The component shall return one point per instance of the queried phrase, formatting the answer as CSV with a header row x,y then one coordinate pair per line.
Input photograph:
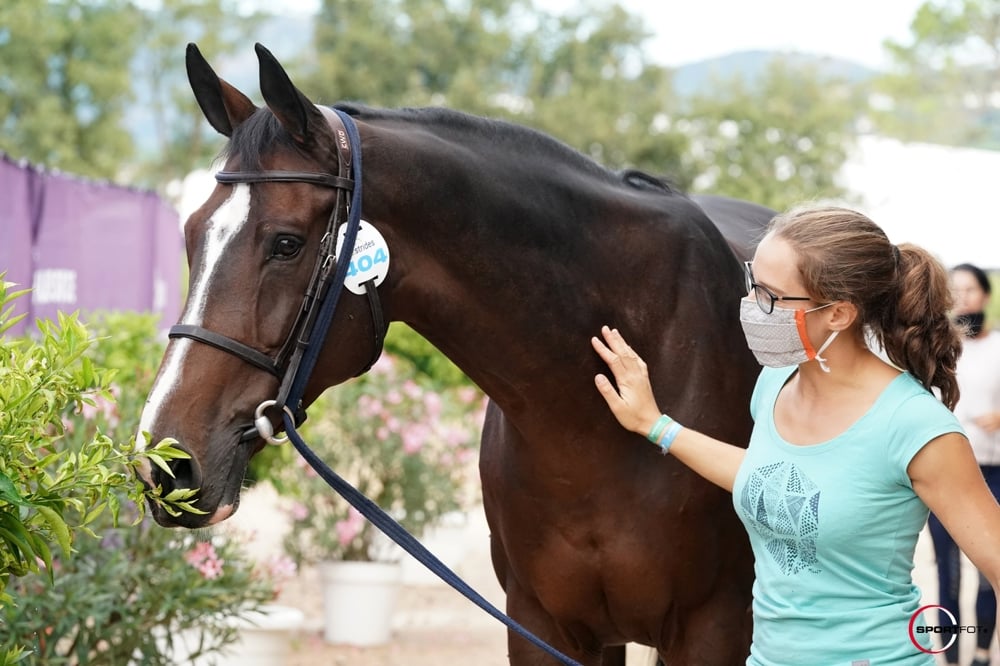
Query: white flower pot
x,y
359,599
448,540
265,639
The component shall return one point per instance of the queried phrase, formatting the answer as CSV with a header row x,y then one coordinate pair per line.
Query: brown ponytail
x,y
901,294
920,336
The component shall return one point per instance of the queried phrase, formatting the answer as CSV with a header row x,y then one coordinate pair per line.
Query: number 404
x,y
366,262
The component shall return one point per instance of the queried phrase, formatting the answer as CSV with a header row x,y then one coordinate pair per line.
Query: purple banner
x,y
168,262
84,245
18,187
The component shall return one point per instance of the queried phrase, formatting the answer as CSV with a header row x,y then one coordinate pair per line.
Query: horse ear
x,y
224,106
293,110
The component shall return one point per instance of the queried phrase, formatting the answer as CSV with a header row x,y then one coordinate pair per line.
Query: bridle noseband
x,y
292,365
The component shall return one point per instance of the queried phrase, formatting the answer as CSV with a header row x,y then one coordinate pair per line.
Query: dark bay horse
x,y
508,250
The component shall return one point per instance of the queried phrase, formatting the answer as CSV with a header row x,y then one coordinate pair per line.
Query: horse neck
x,y
508,265
492,314
479,289
501,315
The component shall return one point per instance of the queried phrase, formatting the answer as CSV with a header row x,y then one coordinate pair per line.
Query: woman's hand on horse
x,y
632,402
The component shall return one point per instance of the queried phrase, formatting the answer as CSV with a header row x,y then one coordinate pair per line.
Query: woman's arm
x,y
990,421
635,408
947,478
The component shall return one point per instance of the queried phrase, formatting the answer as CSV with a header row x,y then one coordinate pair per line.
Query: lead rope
x,y
380,519
369,509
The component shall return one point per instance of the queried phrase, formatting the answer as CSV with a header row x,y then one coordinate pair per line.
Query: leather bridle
x,y
287,366
303,344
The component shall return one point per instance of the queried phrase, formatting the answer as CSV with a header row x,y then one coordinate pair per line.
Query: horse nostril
x,y
186,474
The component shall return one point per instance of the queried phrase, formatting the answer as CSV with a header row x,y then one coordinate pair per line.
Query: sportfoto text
x,y
952,629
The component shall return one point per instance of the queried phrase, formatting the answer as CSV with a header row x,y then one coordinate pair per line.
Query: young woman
x,y
978,411
848,451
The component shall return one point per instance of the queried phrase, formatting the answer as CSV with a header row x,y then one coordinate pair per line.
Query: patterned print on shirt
x,y
782,504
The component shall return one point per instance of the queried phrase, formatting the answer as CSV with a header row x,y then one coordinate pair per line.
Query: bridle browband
x,y
322,179
287,366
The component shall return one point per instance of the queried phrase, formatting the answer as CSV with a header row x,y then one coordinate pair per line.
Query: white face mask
x,y
779,339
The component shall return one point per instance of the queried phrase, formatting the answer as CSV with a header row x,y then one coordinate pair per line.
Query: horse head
x,y
257,249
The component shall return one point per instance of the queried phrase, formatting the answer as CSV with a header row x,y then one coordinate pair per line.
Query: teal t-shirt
x,y
833,528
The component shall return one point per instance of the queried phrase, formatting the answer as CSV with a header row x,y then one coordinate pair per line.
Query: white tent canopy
x,y
940,197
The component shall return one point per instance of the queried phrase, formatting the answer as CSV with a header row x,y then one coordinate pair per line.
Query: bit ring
x,y
264,426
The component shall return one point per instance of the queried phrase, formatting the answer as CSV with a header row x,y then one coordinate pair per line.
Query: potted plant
x,y
262,634
410,446
124,584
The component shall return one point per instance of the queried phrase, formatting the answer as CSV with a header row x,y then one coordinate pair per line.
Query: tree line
x,y
74,69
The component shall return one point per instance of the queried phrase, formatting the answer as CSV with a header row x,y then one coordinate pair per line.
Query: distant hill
x,y
749,65
289,37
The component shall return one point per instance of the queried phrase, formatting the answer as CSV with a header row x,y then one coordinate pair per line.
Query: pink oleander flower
x,y
305,467
412,389
281,567
350,527
433,405
414,437
211,569
204,558
456,436
298,511
201,551
383,366
369,407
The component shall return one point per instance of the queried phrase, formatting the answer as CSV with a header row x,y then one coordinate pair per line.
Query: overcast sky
x,y
697,29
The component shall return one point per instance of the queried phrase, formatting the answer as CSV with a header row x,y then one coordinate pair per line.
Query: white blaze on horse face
x,y
224,225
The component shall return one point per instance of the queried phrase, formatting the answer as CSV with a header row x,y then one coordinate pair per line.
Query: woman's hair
x,y
978,273
902,294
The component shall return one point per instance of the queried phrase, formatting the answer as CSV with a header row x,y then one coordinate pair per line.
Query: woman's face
x,y
968,294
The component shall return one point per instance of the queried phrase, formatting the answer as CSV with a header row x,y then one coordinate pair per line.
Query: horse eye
x,y
286,247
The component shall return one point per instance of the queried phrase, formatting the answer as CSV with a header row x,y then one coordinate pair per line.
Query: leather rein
x,y
325,284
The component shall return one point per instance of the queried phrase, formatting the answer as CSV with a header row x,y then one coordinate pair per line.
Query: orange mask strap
x,y
800,324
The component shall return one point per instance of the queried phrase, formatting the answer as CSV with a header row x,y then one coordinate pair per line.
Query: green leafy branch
x,y
179,500
55,483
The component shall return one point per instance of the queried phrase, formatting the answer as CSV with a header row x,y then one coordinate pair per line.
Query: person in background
x,y
847,451
978,411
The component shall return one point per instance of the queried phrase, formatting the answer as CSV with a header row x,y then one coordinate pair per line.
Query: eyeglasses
x,y
765,298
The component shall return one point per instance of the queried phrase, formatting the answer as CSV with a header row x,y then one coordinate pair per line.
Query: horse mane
x,y
521,137
263,129
260,130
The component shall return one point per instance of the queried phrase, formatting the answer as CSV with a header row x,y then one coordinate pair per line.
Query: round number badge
x,y
370,259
